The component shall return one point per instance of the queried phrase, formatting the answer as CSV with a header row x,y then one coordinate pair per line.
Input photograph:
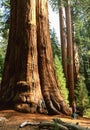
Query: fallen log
x,y
70,126
53,125
56,124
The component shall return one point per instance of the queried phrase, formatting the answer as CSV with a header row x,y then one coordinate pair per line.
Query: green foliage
x,y
81,20
58,66
81,93
60,78
55,43
4,22
87,112
81,24
55,4
56,126
4,30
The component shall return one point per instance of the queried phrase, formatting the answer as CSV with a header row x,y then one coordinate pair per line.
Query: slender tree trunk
x,y
63,39
29,72
69,53
76,63
75,54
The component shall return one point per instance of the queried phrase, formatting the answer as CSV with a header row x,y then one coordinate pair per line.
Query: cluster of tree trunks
x,y
67,47
29,76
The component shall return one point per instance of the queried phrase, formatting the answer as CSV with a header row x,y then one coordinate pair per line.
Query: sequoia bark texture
x,y
29,75
70,72
52,97
20,83
63,39
76,63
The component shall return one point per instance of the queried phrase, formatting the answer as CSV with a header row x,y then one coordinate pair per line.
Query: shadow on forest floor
x,y
11,120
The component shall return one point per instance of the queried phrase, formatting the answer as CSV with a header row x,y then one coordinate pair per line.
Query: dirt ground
x,y
11,120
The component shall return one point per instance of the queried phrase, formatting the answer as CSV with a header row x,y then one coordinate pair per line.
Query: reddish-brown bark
x,y
29,75
63,39
70,72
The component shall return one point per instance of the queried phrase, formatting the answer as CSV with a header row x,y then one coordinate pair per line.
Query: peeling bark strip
x,y
29,75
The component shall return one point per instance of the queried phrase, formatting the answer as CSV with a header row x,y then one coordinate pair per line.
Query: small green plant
x,y
56,126
82,98
2,55
60,78
87,113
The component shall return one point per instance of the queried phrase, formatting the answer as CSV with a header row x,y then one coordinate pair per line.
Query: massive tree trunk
x,y
20,83
29,75
53,99
70,68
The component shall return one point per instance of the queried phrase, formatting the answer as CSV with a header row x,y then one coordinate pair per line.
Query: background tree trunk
x,y
70,79
76,63
29,68
63,39
75,54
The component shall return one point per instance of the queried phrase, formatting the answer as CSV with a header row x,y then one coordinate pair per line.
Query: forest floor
x,y
11,120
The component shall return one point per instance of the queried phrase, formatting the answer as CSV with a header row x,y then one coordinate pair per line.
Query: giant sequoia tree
x,y
29,75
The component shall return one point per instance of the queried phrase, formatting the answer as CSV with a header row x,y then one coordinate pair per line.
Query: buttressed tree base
x,y
29,76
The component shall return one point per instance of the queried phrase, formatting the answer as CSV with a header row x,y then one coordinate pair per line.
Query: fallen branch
x,y
28,123
56,123
70,126
52,124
